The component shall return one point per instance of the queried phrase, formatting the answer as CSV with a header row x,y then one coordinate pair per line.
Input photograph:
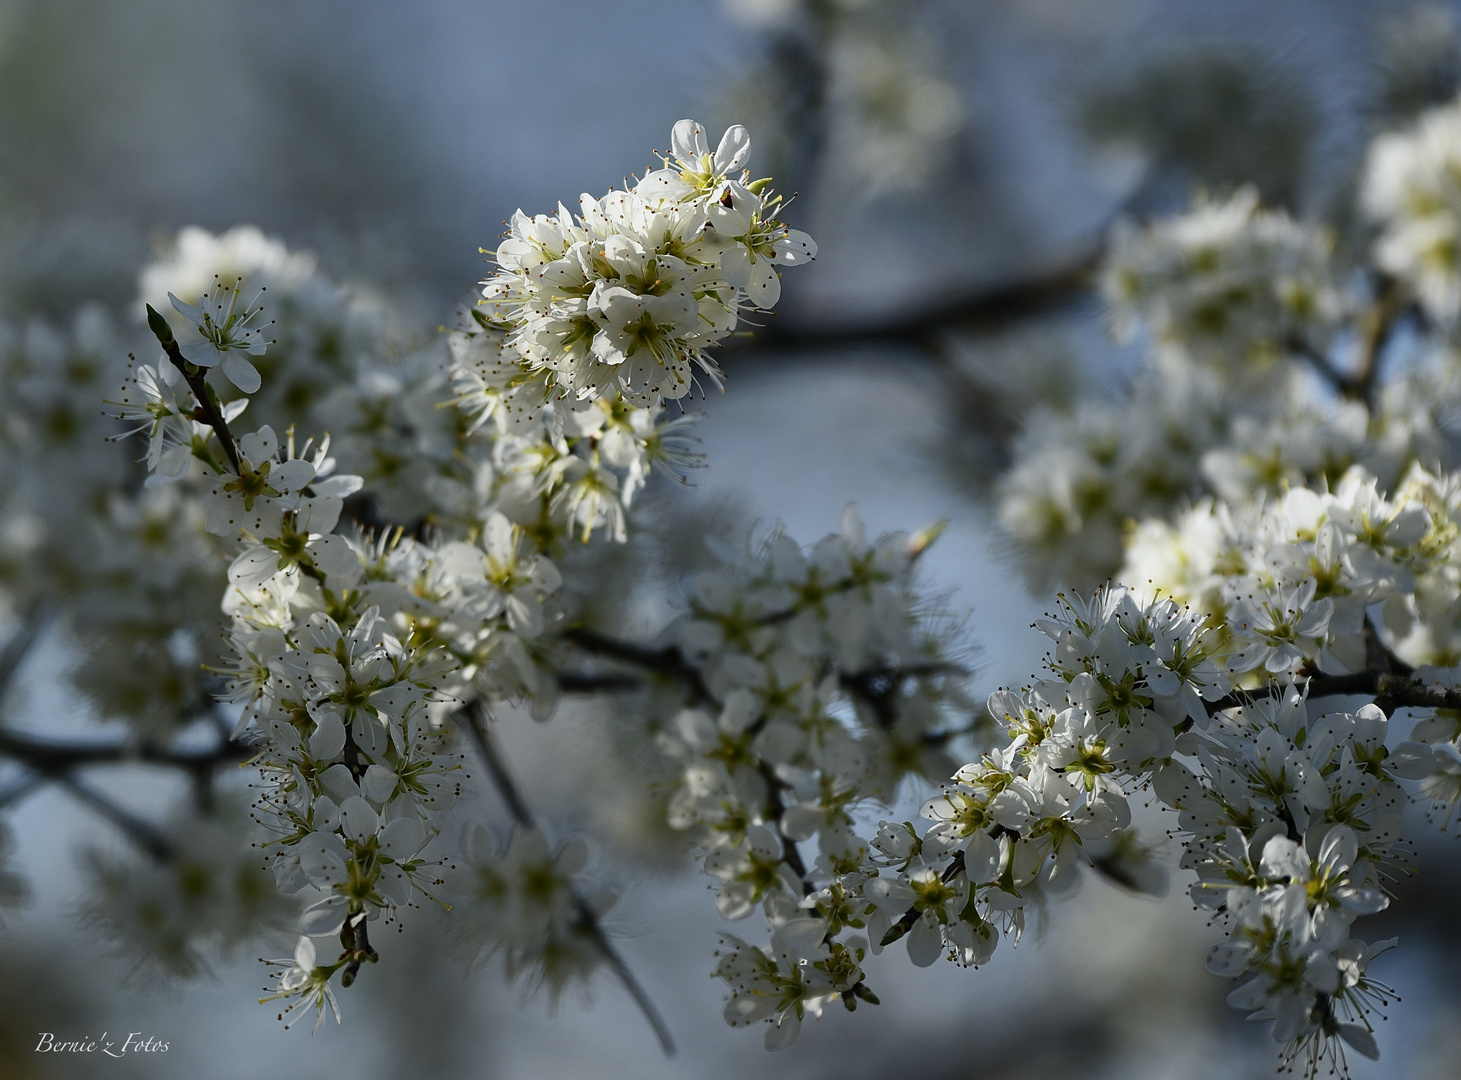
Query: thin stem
x,y
776,807
142,833
208,411
19,644
1376,328
625,976
1400,691
983,307
47,756
31,781
1349,386
478,719
668,661
478,722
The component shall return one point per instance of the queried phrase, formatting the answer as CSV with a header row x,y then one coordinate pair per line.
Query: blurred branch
x,y
775,810
1396,691
803,59
666,661
49,756
142,833
478,722
1376,329
18,646
982,308
22,787
51,761
577,682
879,687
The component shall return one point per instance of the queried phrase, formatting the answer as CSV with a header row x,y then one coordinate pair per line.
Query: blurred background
x,y
958,161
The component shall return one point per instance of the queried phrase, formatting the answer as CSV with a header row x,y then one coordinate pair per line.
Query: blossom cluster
x,y
345,656
1264,372
1224,687
813,683
1412,193
1289,796
803,692
624,299
1290,817
353,658
1228,283
1299,579
210,893
566,469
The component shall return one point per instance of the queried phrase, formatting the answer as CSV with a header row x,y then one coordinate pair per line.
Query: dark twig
x,y
477,721
47,756
1400,691
776,807
142,833
879,686
983,307
1377,325
19,644
667,661
30,781
1348,385
575,682
50,760
208,411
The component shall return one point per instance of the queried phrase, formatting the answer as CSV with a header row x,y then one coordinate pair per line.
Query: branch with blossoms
x,y
1289,543
478,725
1240,308
350,656
801,692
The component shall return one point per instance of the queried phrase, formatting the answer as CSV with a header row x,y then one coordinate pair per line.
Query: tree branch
x,y
1376,327
142,833
477,721
790,853
667,661
22,787
197,379
1402,691
984,307
47,756
577,682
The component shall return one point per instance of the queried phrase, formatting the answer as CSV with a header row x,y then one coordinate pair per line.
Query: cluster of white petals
x,y
566,468
344,656
1280,480
1229,282
1283,518
1412,190
1289,816
524,904
625,298
1250,332
813,683
208,895
351,657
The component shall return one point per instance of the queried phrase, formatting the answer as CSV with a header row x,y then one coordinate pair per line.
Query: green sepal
x,y
159,326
